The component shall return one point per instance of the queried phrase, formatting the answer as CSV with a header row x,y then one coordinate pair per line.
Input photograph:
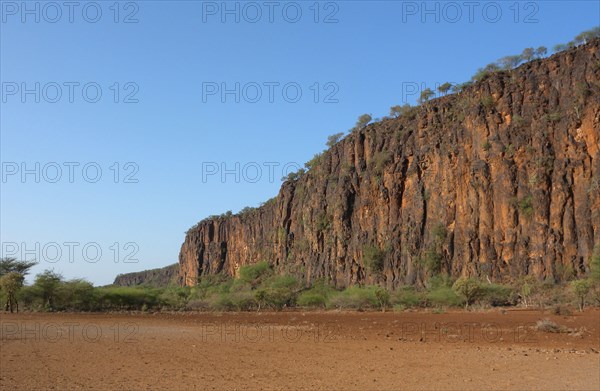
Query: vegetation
x,y
426,94
399,111
373,258
362,122
312,163
548,326
581,288
259,287
468,288
12,277
526,206
334,139
444,88
11,283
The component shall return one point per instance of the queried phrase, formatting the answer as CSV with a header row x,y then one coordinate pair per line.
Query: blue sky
x,y
169,124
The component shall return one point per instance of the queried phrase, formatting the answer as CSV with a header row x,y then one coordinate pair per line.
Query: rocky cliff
x,y
154,277
499,181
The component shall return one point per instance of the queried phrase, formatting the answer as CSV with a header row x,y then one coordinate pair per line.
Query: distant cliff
x,y
499,181
155,277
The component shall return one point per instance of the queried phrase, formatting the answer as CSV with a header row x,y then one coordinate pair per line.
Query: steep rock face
x,y
154,277
499,181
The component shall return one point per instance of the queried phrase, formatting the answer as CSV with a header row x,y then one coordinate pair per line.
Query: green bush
x,y
284,282
373,258
274,298
174,297
406,297
76,295
311,299
253,274
355,297
443,297
487,102
581,288
127,298
526,205
243,300
468,288
432,261
497,295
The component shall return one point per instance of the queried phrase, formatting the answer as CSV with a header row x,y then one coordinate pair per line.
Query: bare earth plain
x,y
492,350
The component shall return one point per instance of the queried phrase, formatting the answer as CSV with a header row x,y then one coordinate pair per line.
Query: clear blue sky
x,y
174,56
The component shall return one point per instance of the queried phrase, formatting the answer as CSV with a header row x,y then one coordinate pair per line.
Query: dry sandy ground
x,y
497,350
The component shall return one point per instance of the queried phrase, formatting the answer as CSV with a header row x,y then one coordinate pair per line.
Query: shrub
x,y
581,288
406,297
373,258
243,300
526,206
316,296
355,297
487,101
432,261
380,159
323,222
443,296
548,326
77,295
595,274
561,310
293,176
253,274
468,288
275,298
383,298
312,163
483,73
553,117
311,299
497,295
174,297
127,298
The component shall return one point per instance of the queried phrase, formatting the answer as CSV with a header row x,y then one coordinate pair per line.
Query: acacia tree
x,y
528,54
48,283
509,62
397,111
334,139
426,94
11,265
362,121
541,51
444,88
12,276
11,283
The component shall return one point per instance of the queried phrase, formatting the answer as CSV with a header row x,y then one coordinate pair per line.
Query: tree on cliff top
x,y
334,139
362,121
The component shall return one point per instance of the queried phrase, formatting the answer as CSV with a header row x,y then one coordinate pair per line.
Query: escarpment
x,y
154,277
499,181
